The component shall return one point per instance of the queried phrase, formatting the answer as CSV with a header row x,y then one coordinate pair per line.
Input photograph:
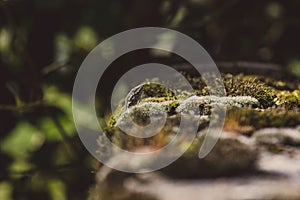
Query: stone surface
x,y
239,167
283,136
205,103
249,161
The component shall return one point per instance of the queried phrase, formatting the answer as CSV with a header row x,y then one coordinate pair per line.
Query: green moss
x,y
251,105
157,99
272,117
171,106
156,90
280,84
239,85
113,118
111,122
140,114
147,90
163,135
249,86
287,99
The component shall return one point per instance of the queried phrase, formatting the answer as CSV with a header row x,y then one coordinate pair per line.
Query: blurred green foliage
x,y
42,44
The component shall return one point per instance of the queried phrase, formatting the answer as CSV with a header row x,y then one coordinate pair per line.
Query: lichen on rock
x,y
240,85
203,104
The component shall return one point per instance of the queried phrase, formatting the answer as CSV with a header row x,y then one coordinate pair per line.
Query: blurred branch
x,y
23,106
53,67
173,10
57,168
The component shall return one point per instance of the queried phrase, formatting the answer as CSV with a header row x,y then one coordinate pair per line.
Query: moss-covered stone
x,y
145,93
241,86
142,111
279,84
163,134
113,117
261,118
203,105
146,90
287,99
277,108
252,103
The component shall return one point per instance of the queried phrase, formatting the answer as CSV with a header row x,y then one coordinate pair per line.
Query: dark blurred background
x,y
43,42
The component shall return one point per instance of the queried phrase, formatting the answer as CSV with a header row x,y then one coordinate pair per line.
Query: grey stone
x,y
283,136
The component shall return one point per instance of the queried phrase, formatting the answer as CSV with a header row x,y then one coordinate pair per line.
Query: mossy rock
x,y
203,104
242,91
288,99
145,92
262,118
148,90
240,86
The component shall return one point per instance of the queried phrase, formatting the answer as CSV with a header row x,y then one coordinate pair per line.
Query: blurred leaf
x,y
5,191
181,13
55,98
294,67
22,141
57,189
274,10
86,38
31,188
12,87
62,101
63,48
5,40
